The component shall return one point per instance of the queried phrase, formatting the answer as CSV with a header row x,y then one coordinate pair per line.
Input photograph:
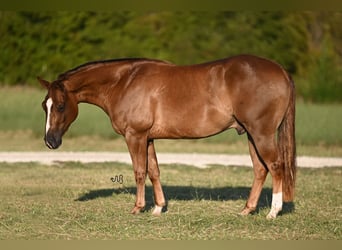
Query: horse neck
x,y
89,91
95,86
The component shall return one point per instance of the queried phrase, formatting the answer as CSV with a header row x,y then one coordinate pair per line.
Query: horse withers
x,y
151,99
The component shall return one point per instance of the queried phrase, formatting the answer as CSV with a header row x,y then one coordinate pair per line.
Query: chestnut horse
x,y
152,99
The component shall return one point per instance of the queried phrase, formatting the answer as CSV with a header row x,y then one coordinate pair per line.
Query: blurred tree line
x,y
307,44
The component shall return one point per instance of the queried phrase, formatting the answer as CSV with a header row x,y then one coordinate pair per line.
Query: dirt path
x,y
198,160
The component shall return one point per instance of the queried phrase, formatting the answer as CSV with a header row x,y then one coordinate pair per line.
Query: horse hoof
x,y
271,216
247,210
136,210
273,213
157,210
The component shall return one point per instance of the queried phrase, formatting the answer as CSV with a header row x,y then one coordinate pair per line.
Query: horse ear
x,y
43,82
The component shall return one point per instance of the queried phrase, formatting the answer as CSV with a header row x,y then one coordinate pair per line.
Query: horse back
x,y
201,100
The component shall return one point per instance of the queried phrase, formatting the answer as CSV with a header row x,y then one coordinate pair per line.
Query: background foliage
x,y
308,44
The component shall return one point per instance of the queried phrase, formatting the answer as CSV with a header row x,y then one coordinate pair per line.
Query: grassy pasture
x,y
22,126
79,201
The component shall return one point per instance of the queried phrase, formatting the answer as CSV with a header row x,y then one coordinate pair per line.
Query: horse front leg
x,y
137,146
154,175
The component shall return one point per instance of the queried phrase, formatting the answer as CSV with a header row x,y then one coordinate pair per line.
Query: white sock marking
x,y
277,205
277,200
48,108
157,210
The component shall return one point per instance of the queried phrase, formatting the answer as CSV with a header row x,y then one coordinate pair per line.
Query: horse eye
x,y
60,107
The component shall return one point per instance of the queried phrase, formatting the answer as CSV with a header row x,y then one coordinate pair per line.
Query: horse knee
x,y
153,174
140,176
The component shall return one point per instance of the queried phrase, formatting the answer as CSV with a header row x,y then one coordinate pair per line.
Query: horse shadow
x,y
187,193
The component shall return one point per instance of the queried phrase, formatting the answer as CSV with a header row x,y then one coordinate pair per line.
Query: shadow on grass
x,y
187,193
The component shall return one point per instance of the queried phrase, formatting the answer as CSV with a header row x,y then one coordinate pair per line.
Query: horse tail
x,y
287,146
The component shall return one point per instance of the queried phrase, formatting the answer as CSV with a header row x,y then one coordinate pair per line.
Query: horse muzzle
x,y
53,140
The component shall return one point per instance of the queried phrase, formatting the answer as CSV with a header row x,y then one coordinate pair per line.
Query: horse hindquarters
x,y
275,153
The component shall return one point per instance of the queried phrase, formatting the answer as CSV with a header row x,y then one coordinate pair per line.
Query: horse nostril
x,y
52,141
48,145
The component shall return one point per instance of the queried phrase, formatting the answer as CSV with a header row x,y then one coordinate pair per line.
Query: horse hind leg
x,y
260,173
267,150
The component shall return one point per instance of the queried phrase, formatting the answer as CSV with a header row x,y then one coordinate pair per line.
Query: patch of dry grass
x,y
77,201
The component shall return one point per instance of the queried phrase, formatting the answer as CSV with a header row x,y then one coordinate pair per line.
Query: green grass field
x,y
79,201
22,128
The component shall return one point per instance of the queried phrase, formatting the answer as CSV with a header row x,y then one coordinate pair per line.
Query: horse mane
x,y
92,64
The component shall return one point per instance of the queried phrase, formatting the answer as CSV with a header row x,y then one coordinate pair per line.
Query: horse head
x,y
61,110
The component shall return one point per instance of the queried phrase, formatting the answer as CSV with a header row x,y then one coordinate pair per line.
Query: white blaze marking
x,y
48,108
